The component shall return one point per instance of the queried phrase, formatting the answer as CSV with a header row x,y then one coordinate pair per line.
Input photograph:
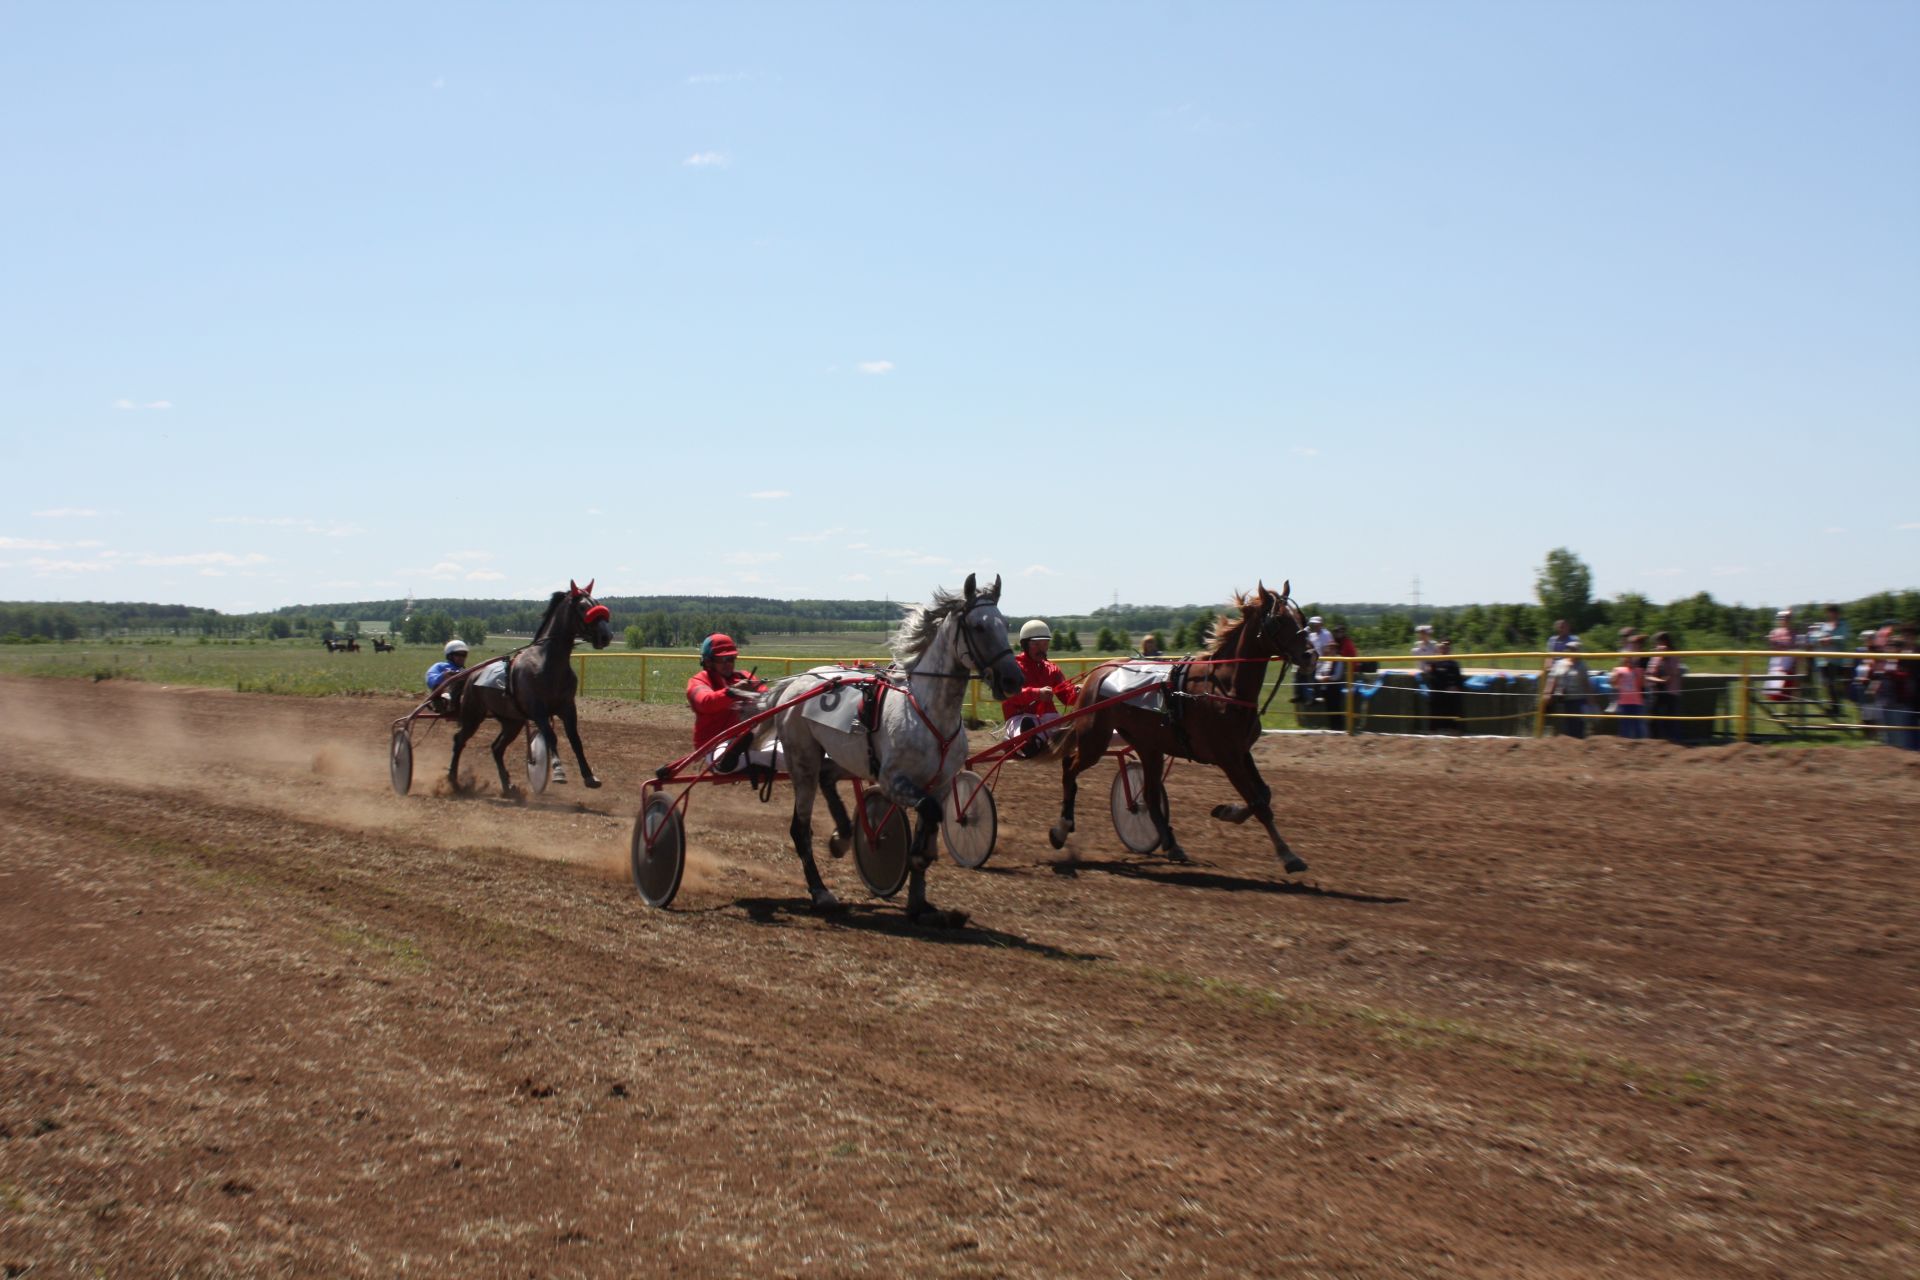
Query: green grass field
x,y
304,667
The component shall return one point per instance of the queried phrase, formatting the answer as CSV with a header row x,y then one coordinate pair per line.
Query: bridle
x,y
1279,610
978,667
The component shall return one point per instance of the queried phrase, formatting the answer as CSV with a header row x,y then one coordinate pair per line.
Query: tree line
x,y
1562,589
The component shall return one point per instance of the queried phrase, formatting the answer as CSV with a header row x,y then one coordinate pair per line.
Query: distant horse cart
x,y
346,644
382,645
896,734
523,690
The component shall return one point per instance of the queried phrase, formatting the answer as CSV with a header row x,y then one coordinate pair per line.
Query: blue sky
x,y
327,302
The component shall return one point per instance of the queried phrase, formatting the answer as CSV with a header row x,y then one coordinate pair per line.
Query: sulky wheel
x,y
659,852
1132,822
539,763
882,861
400,762
969,820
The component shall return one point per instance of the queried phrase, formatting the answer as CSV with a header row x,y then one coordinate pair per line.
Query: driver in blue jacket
x,y
453,658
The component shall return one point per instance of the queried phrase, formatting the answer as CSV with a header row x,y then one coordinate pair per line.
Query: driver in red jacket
x,y
719,696
1033,705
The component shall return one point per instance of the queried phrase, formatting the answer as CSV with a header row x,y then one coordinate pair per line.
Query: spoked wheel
x,y
659,852
1134,823
400,762
539,763
969,820
883,860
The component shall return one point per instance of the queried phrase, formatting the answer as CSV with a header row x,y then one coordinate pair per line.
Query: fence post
x,y
1540,708
646,659
1744,719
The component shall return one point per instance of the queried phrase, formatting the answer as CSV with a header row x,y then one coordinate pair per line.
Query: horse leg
x,y
460,737
1246,779
919,854
1154,770
842,838
509,731
570,720
806,774
1089,744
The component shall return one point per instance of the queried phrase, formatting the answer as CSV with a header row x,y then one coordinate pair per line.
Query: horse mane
x,y
553,609
920,623
1226,628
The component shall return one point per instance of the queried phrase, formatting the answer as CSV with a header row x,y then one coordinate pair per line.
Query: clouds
x,y
45,568
67,513
28,544
821,535
137,407
232,559
320,528
875,368
452,566
708,160
770,495
1039,571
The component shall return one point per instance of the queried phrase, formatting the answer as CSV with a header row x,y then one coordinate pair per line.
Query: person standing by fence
x,y
1836,673
1567,690
1665,674
1444,686
1629,696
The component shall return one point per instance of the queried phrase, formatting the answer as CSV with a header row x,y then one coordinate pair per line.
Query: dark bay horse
x,y
540,684
1211,716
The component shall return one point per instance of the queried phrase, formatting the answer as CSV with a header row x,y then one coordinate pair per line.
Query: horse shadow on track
x,y
1191,877
869,918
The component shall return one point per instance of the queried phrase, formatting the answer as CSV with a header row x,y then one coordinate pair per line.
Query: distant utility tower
x,y
408,615
1416,594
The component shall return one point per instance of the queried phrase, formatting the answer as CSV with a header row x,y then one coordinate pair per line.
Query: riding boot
x,y
730,758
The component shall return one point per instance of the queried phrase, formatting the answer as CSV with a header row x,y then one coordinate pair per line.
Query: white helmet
x,y
1034,629
455,645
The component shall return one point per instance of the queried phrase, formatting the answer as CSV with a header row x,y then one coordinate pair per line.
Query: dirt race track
x,y
1540,1009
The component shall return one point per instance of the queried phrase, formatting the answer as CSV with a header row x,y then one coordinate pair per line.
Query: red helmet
x,y
716,646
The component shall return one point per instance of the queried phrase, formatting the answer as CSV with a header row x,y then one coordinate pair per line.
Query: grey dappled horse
x,y
918,748
540,685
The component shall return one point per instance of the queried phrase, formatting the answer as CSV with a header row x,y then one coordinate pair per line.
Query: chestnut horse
x,y
1211,715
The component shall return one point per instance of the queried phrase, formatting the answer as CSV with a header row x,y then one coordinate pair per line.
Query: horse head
x,y
983,639
1279,627
591,618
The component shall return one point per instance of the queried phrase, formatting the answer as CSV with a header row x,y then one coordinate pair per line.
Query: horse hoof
x,y
1177,854
934,918
837,845
1056,837
593,784
1234,813
1294,864
824,903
